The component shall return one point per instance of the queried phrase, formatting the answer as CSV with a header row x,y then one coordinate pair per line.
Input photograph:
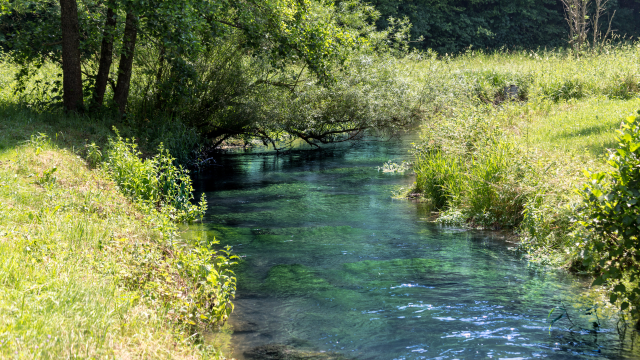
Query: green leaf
x,y
624,306
620,288
598,281
613,298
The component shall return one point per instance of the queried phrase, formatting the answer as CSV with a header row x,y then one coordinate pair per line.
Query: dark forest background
x,y
449,26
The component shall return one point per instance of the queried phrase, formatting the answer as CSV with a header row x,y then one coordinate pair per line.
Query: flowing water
x,y
331,263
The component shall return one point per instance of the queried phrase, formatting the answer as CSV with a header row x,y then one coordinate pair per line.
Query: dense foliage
x,y
235,69
493,158
155,183
453,25
611,214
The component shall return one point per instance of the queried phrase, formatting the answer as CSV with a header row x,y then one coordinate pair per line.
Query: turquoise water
x,y
331,263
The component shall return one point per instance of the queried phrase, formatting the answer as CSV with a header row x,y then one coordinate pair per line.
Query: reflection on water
x,y
331,263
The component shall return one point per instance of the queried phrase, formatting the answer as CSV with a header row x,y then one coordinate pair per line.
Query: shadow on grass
x,y
586,131
602,148
72,131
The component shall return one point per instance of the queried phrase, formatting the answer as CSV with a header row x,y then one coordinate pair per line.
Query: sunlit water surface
x,y
331,263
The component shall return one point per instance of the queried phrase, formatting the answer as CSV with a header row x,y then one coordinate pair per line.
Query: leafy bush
x,y
155,183
164,190
611,216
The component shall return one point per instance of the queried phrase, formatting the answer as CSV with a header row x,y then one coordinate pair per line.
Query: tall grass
x,y
539,75
494,160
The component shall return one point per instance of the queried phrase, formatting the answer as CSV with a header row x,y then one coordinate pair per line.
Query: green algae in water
x,y
331,261
293,279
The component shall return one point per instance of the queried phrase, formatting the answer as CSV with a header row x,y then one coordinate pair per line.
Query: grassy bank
x,y
486,154
497,160
86,271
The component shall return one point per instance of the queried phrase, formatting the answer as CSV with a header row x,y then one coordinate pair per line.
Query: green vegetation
x,y
452,26
506,136
87,272
154,183
269,71
498,160
610,212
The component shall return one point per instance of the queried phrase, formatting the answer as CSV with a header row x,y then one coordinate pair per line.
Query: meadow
x,y
84,269
497,160
91,264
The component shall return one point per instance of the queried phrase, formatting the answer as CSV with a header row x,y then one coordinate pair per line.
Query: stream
x,y
332,264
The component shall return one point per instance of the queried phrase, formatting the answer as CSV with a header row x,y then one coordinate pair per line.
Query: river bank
x,y
513,151
86,271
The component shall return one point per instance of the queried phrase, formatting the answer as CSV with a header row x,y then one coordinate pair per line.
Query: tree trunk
x,y
161,61
125,68
106,58
71,71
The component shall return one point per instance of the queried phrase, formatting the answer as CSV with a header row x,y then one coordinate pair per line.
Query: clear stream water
x,y
331,263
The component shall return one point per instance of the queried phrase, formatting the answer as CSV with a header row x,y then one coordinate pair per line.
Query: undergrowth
x,y
153,184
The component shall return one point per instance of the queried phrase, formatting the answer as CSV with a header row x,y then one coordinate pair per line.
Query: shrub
x,y
155,183
611,218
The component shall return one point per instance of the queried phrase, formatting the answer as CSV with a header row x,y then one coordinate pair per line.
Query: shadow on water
x,y
333,267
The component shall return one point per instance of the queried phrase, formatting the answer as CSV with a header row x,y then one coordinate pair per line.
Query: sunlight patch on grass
x,y
581,127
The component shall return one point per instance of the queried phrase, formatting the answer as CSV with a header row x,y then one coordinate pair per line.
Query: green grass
x,y
64,243
587,126
84,272
563,121
489,162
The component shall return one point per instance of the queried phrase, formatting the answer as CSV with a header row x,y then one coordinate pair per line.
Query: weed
x,y
154,183
48,177
394,168
93,155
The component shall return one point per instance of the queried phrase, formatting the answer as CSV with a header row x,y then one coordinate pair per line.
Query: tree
x,y
579,16
71,68
576,15
601,7
121,92
267,69
106,56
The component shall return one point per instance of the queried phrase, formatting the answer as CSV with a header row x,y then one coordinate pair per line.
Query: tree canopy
x,y
453,25
216,65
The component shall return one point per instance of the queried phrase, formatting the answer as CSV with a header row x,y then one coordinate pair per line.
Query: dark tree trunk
x,y
106,58
125,68
161,62
71,71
